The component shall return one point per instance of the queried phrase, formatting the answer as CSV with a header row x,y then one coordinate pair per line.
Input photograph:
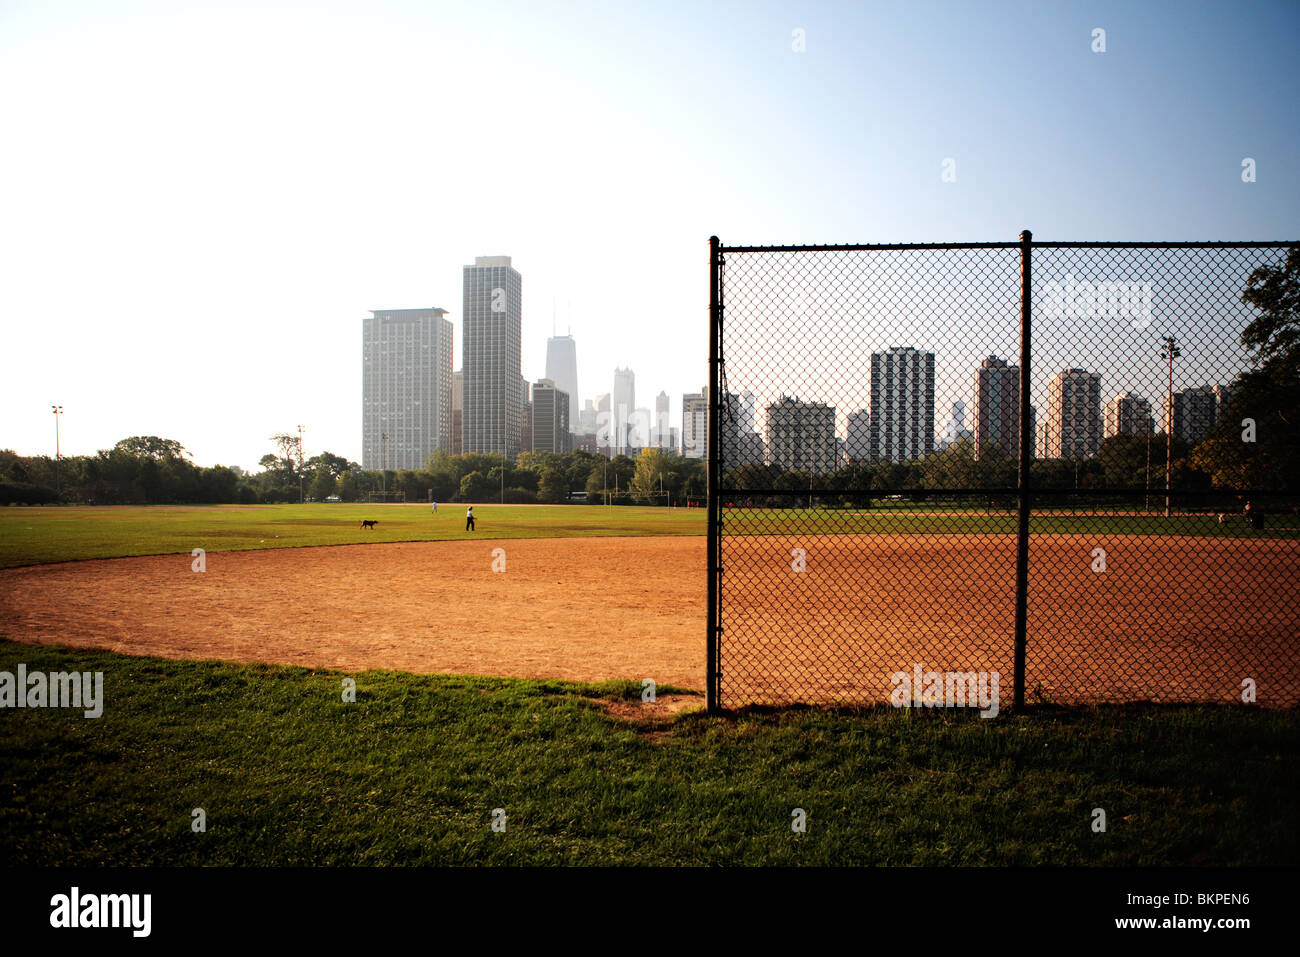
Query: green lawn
x,y
287,773
33,536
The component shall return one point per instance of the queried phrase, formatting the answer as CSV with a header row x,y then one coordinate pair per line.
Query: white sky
x,y
200,202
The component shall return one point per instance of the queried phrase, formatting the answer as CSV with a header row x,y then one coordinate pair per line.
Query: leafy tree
x,y
1274,335
151,446
651,465
477,487
552,486
323,485
347,487
1253,442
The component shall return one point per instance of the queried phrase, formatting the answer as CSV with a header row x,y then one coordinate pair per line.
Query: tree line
x,y
150,470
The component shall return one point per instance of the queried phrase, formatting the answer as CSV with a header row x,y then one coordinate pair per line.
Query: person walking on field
x,y
435,508
469,519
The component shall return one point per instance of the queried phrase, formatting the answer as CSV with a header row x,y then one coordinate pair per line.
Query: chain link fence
x,y
891,520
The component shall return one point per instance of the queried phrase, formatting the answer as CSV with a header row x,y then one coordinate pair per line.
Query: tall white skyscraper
x,y
562,369
623,409
661,437
494,385
695,423
902,404
406,387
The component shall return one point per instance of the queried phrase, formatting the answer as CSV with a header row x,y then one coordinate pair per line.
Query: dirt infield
x,y
1170,618
586,609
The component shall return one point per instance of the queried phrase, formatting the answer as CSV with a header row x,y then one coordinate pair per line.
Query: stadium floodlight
x,y
58,484
1170,352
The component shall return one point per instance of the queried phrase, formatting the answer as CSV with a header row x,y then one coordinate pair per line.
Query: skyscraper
x,y
661,437
902,404
997,406
551,418
622,409
406,387
1194,413
604,425
1128,414
1072,429
586,418
562,369
954,430
801,436
858,444
457,412
494,394
695,422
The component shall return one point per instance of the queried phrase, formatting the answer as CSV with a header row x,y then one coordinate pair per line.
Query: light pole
x,y
1170,352
300,466
1151,427
383,463
58,484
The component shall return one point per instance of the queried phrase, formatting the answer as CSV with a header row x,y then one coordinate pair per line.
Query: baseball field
x,y
596,594
505,669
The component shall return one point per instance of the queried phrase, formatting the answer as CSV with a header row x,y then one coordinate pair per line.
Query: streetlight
x,y
301,462
1170,352
58,411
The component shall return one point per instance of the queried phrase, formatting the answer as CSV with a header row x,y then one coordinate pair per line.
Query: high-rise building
x,y
1194,412
494,394
457,412
902,404
858,444
586,418
406,390
526,422
1128,414
997,406
661,435
604,425
551,418
801,436
638,433
623,407
1072,429
695,423
562,369
954,430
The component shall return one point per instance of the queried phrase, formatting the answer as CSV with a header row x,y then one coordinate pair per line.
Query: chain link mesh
x,y
867,475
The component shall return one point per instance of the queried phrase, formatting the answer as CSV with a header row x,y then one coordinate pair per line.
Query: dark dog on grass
x,y
367,523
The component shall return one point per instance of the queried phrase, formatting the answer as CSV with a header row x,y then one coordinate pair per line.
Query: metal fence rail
x,y
892,518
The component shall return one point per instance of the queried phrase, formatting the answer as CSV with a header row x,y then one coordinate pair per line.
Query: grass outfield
x,y
34,536
289,774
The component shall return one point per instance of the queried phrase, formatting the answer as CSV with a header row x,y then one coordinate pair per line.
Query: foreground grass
x,y
409,774
34,536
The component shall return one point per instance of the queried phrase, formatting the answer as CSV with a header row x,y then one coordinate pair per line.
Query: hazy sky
x,y
200,202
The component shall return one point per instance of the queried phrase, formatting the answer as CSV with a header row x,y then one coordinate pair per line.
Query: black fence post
x,y
1022,474
714,528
